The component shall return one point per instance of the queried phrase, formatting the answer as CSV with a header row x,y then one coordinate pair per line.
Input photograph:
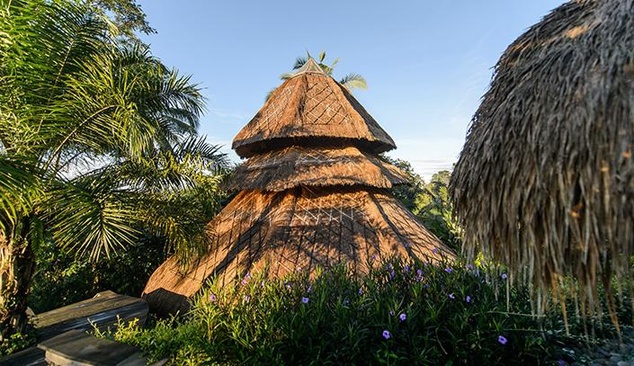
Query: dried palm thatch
x,y
297,229
311,108
545,181
315,167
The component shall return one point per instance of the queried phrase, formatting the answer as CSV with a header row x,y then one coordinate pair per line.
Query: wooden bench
x,y
102,311
78,348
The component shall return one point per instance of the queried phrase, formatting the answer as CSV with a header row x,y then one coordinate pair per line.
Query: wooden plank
x,y
31,356
102,311
78,348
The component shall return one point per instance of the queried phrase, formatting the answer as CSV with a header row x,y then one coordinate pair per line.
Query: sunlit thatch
x,y
545,181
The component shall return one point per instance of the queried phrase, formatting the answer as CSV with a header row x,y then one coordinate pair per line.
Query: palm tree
x,y
96,137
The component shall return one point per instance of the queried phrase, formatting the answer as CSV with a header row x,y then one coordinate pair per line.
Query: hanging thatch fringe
x,y
545,182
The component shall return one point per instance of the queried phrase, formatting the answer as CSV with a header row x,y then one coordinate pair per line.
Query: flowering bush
x,y
400,313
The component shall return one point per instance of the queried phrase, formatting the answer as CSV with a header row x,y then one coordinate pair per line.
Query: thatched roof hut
x,y
312,194
545,181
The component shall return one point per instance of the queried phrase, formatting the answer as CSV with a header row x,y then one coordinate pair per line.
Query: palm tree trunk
x,y
17,264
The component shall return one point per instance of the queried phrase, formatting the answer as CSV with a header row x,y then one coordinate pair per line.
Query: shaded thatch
x,y
545,182
298,229
315,167
311,105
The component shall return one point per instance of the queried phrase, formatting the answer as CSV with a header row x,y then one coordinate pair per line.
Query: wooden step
x,y
101,311
78,348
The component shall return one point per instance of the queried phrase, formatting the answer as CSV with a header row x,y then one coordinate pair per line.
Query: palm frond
x,y
299,62
89,217
353,81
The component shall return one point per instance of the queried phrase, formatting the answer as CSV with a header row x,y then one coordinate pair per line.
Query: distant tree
x,y
411,193
429,202
436,211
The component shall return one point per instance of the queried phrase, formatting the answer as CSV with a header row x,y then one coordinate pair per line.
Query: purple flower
x,y
561,363
452,296
388,266
406,269
391,313
419,272
434,250
212,297
387,334
468,298
309,289
504,276
360,291
248,275
403,316
469,266
449,270
373,257
305,300
392,274
502,340
243,282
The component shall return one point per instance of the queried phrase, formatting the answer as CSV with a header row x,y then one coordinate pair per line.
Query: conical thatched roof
x,y
311,108
545,181
299,229
296,166
313,194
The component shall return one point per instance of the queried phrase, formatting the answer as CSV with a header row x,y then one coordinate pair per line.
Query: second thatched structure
x,y
545,181
313,193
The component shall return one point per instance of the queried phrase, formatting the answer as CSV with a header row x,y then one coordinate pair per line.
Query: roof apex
x,y
311,66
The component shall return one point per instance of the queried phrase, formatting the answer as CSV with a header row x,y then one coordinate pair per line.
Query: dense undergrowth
x,y
400,313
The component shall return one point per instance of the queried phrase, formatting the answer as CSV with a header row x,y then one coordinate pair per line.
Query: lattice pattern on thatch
x,y
300,228
545,181
310,105
315,167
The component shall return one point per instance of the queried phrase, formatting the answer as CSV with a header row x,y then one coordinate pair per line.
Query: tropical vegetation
x,y
97,144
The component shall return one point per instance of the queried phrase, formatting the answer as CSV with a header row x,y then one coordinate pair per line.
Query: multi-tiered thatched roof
x,y
545,181
313,193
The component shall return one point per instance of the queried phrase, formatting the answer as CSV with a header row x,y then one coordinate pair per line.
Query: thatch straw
x,y
315,167
307,106
299,229
545,182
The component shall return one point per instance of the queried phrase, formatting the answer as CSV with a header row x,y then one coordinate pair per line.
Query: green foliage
x,y
16,342
429,202
62,278
97,141
436,211
399,313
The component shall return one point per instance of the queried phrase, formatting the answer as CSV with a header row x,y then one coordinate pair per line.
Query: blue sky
x,y
427,63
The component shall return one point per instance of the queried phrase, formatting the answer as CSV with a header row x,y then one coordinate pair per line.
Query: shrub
x,y
398,313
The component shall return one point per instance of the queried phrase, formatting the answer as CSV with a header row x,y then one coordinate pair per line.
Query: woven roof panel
x,y
310,105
